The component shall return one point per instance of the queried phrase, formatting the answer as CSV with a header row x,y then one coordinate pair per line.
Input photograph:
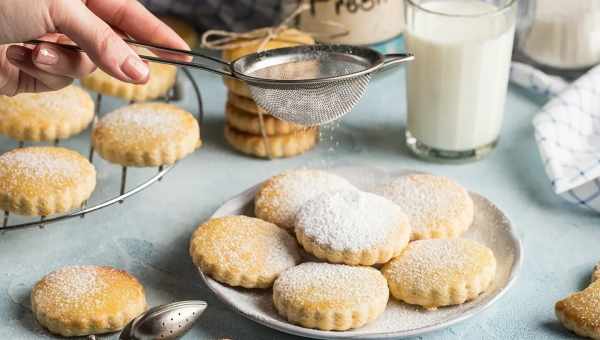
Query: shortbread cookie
x,y
162,78
352,227
596,273
40,181
330,296
250,123
441,272
83,300
183,29
46,116
437,206
237,87
278,146
245,104
243,251
280,198
287,38
146,134
580,312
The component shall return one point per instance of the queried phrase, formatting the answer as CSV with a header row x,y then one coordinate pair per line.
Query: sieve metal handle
x,y
224,68
393,59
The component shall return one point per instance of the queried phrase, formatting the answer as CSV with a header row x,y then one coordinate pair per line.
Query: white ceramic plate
x,y
491,227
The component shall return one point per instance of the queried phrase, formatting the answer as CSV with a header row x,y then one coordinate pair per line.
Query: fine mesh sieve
x,y
308,85
311,85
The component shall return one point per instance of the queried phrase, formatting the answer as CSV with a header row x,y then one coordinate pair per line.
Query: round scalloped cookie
x,y
330,296
162,79
84,300
277,146
40,181
146,134
437,206
352,227
280,198
243,251
441,272
46,116
250,123
287,38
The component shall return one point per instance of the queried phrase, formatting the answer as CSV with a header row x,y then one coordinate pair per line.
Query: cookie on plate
x,y
243,251
277,146
146,134
280,198
250,123
437,206
162,78
46,116
580,312
330,296
441,272
84,300
40,181
352,227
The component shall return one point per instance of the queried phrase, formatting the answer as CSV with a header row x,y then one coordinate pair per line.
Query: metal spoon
x,y
170,321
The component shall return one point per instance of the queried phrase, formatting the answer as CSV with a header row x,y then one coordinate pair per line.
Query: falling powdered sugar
x,y
350,219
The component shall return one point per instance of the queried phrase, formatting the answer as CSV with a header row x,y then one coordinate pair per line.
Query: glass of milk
x,y
457,84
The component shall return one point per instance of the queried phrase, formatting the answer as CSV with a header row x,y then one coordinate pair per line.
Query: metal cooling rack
x,y
172,94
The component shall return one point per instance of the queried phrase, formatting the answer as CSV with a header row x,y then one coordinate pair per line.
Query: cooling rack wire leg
x,y
123,181
5,221
42,218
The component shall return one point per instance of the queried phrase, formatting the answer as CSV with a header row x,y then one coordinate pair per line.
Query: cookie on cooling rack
x,y
280,198
330,296
146,134
441,272
40,181
162,79
437,206
183,29
276,146
352,227
580,312
84,300
46,116
243,251
250,123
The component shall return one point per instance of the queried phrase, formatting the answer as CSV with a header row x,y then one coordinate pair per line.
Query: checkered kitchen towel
x,y
567,131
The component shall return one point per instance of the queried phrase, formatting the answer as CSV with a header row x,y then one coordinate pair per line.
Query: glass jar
x,y
558,36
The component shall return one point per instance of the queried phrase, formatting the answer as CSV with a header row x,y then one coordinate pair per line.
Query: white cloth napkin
x,y
567,131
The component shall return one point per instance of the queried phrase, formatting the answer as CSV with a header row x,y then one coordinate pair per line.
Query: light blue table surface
x,y
149,234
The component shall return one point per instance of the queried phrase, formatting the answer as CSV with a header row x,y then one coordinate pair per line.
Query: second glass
x,y
457,84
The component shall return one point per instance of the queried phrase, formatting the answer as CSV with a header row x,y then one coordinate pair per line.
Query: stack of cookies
x,y
250,129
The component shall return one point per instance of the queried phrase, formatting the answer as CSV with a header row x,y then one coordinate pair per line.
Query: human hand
x,y
86,23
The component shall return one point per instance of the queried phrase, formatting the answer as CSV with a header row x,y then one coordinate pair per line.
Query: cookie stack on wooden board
x,y
249,128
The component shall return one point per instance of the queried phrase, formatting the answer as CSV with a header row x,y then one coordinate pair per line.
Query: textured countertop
x,y
149,234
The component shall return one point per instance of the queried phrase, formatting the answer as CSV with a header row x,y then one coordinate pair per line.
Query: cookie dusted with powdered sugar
x,y
243,251
279,198
352,227
441,272
40,181
330,296
437,206
83,300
